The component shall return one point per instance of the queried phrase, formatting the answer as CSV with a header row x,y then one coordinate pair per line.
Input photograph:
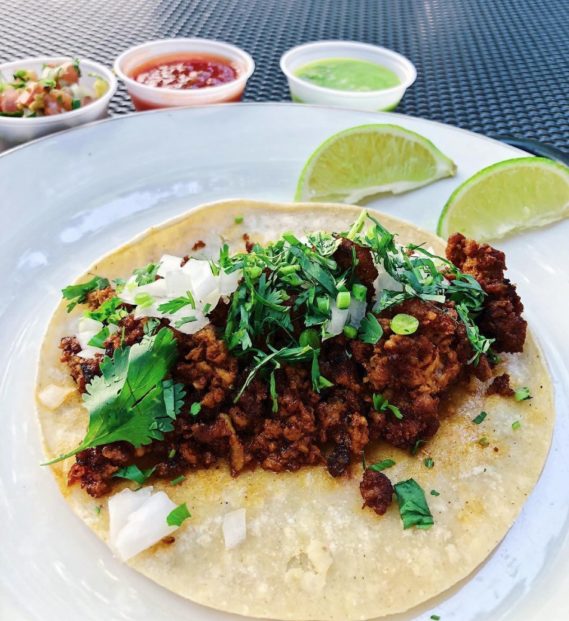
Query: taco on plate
x,y
295,411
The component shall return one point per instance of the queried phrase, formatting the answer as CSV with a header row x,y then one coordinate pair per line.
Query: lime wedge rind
x,y
346,184
507,198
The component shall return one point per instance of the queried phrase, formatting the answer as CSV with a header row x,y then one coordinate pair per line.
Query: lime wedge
x,y
507,197
371,159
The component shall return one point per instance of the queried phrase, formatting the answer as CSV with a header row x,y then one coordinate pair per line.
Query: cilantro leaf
x,y
382,465
110,311
178,480
99,339
177,516
380,404
173,398
127,401
195,408
370,330
413,506
146,275
77,294
173,306
134,473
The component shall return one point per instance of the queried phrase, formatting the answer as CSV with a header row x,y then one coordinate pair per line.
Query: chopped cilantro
x,y
417,446
380,404
75,104
382,465
484,442
98,509
178,480
177,516
195,408
479,418
126,402
78,293
434,492
343,300
516,425
239,220
171,453
99,339
146,275
134,473
370,329
173,306
429,462
110,311
350,332
273,393
184,320
206,308
522,394
413,506
435,618
404,324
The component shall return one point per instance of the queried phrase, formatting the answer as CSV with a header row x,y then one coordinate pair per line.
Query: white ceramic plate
x,y
68,199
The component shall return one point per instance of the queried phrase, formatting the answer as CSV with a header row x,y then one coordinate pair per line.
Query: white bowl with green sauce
x,y
347,74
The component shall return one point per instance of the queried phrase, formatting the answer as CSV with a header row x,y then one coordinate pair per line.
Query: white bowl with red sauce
x,y
184,72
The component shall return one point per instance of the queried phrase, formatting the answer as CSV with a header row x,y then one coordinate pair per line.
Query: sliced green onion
x,y
522,394
289,269
350,332
343,300
75,104
254,271
404,324
516,425
143,299
323,303
239,220
359,292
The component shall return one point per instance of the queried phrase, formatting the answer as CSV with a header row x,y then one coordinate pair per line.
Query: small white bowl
x,y
146,97
15,130
303,91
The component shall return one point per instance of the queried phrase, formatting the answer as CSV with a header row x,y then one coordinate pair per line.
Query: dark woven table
x,y
499,67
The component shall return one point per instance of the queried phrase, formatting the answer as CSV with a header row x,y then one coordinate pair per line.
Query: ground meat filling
x,y
333,427
501,317
376,490
501,386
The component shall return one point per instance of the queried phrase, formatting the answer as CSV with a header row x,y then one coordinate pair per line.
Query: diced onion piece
x,y
53,396
169,263
234,528
148,311
385,282
86,324
121,505
358,310
90,352
145,526
337,320
178,283
228,282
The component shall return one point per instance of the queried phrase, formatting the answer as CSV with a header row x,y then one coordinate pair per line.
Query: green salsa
x,y
347,74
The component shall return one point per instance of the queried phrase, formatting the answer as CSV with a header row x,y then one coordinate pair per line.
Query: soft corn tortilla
x,y
311,551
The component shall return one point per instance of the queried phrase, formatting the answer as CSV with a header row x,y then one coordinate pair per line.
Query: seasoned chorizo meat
x,y
270,380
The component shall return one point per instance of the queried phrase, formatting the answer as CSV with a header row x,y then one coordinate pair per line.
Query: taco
x,y
295,411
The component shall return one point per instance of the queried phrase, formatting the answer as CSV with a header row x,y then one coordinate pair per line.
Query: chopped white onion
x,y
338,319
86,324
169,263
357,310
90,352
228,282
53,396
385,281
140,525
178,283
234,528
121,505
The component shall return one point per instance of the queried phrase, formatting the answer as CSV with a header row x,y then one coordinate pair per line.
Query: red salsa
x,y
189,72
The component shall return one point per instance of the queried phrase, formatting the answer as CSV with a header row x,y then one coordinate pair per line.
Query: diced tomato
x,y
9,101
